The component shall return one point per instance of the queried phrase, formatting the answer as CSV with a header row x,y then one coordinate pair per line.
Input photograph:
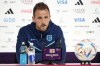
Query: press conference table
x,y
67,64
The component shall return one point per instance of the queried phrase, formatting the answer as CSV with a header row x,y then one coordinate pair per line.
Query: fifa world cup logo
x,y
52,50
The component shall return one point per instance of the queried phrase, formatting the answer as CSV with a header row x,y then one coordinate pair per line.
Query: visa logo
x,y
62,1
79,19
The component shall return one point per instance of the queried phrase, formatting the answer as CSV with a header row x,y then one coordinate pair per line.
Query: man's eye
x,y
46,17
39,17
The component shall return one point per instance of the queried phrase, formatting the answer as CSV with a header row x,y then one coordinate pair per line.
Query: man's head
x,y
41,16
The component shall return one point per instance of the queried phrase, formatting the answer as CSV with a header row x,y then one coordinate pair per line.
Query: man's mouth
x,y
43,25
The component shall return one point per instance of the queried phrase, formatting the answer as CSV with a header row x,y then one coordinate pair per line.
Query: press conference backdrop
x,y
79,19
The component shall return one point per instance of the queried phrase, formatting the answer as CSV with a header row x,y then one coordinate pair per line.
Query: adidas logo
x,y
79,3
9,11
97,20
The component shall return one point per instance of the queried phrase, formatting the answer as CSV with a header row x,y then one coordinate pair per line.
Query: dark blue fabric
x,y
40,40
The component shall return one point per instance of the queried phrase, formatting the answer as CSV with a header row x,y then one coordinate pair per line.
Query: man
x,y
42,32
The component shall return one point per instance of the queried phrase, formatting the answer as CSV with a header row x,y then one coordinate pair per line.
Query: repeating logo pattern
x,y
78,19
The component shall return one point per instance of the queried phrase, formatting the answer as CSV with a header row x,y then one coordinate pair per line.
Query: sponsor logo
x,y
5,2
82,26
8,2
26,20
61,11
79,19
95,2
79,3
97,20
9,40
9,32
52,51
96,11
3,26
9,19
26,11
92,39
9,11
89,32
18,26
33,39
3,47
62,1
79,10
27,1
98,26
12,2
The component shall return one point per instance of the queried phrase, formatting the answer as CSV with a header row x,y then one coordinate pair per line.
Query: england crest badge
x,y
49,38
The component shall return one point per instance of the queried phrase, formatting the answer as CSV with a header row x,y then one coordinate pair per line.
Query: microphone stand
x,y
50,63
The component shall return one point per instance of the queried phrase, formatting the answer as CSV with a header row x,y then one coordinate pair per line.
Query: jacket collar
x,y
39,33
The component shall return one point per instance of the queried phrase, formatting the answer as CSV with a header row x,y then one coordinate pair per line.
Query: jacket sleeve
x,y
63,46
20,38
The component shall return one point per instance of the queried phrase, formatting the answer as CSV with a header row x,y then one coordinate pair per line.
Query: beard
x,y
42,27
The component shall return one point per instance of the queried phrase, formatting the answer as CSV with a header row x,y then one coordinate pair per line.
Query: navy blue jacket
x,y
48,38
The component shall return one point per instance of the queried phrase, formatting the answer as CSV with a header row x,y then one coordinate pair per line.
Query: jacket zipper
x,y
41,35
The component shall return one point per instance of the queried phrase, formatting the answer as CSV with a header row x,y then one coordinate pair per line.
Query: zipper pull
x,y
41,36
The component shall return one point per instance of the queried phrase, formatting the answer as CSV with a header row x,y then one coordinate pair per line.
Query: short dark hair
x,y
40,6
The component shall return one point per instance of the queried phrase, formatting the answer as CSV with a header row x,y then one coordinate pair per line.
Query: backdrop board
x,y
79,19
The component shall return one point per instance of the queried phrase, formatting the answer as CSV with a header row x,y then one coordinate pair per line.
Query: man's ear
x,y
50,16
33,19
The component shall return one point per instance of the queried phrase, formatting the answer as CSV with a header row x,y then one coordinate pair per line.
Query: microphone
x,y
59,43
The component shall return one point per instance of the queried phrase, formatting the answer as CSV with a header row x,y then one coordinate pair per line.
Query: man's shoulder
x,y
55,26
56,29
26,27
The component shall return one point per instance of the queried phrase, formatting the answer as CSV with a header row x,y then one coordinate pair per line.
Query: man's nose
x,y
43,20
